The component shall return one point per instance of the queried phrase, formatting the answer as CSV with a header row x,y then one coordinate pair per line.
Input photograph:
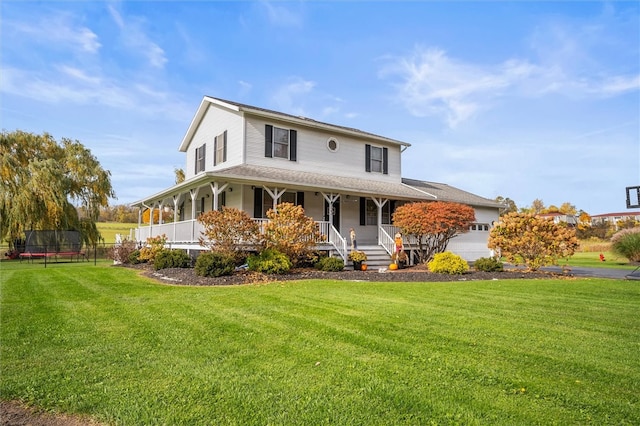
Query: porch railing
x,y
189,231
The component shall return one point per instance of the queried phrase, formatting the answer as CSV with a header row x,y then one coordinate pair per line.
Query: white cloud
x,y
288,97
245,87
618,85
281,16
433,84
79,75
75,86
430,83
136,39
58,30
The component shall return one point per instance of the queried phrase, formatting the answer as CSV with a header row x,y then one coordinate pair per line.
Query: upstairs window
x,y
280,143
376,159
200,158
220,148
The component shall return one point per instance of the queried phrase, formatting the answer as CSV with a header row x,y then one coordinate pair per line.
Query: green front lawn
x,y
125,350
592,260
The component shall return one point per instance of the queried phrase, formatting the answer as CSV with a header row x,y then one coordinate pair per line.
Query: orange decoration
x,y
393,267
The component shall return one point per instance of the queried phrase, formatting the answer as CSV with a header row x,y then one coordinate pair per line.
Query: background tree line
x,y
584,227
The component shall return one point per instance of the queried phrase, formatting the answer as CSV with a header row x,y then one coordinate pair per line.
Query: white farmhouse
x,y
253,159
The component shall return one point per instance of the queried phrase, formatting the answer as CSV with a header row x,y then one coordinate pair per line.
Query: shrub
x,y
330,264
627,243
532,240
122,252
229,231
153,246
290,232
171,259
214,264
134,257
269,261
488,264
448,263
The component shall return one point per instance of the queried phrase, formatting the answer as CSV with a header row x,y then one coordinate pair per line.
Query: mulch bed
x,y
187,276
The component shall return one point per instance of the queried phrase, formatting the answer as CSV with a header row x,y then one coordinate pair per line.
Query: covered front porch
x,y
174,214
336,204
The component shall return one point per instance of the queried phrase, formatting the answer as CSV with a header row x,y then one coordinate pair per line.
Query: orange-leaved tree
x,y
433,224
524,238
291,232
229,231
146,214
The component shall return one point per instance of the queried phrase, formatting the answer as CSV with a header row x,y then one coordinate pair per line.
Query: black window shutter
x,y
197,162
300,199
204,158
224,148
222,200
385,157
367,157
363,211
215,151
268,140
257,203
293,145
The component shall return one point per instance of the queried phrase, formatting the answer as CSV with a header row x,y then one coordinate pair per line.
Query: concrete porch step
x,y
377,257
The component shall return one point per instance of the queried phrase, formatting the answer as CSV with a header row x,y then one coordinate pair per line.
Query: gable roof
x,y
267,113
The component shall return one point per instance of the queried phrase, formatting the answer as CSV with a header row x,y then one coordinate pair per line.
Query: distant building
x,y
612,219
558,217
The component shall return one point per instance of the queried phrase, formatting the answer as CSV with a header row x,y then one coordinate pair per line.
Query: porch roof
x,y
408,189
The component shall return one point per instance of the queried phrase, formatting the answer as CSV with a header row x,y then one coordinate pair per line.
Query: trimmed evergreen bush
x,y
269,261
167,258
627,243
488,264
330,264
214,264
448,263
134,257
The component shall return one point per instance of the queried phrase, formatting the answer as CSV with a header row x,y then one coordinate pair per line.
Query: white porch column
x,y
160,207
194,195
139,221
275,195
176,201
216,189
380,202
330,199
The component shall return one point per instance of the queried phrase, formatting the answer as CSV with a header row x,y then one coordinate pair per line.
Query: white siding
x,y
313,155
215,122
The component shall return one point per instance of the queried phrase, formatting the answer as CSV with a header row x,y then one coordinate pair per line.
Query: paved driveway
x,y
599,272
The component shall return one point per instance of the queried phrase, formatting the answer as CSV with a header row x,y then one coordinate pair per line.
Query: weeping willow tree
x,y
49,185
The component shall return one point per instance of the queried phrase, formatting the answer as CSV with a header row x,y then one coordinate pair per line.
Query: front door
x,y
336,213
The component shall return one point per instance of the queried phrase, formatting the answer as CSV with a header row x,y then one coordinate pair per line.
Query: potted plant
x,y
357,257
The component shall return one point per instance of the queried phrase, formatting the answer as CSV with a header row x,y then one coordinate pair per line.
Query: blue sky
x,y
521,99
